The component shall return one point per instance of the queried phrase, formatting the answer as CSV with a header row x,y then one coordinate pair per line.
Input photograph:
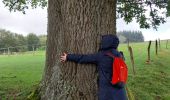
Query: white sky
x,y
36,21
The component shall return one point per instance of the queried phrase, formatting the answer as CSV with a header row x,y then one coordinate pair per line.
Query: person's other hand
x,y
63,57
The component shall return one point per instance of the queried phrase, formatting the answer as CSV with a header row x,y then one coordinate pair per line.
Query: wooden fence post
x,y
167,44
148,61
159,44
128,42
156,47
132,59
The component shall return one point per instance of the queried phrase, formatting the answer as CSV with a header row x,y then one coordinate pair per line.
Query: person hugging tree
x,y
109,44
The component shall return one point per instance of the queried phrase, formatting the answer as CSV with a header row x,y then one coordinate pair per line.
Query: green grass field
x,y
20,74
152,81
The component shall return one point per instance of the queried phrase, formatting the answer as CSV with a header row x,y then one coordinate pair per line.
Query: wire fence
x,y
22,49
155,46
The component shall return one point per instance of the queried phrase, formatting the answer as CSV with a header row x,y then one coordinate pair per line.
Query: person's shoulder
x,y
122,55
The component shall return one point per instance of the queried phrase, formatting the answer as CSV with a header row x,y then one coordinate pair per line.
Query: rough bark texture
x,y
74,26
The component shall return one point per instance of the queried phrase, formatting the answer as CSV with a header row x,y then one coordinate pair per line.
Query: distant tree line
x,y
18,42
131,36
32,41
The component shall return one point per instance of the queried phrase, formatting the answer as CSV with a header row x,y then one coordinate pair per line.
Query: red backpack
x,y
120,70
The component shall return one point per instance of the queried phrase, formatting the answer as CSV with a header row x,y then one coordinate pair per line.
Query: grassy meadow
x,y
20,74
152,81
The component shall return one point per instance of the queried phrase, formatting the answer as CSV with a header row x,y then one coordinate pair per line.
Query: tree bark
x,y
74,26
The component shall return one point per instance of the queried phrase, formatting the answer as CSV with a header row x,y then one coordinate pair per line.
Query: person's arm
x,y
79,58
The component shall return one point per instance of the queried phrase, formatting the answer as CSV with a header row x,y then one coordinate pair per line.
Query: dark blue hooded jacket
x,y
107,91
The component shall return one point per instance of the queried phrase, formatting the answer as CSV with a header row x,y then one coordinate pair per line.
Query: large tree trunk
x,y
74,26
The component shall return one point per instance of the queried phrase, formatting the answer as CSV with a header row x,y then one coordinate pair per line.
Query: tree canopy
x,y
126,9
22,5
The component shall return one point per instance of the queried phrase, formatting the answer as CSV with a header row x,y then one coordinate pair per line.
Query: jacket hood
x,y
109,42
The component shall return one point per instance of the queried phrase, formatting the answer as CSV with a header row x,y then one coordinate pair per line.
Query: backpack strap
x,y
110,54
113,56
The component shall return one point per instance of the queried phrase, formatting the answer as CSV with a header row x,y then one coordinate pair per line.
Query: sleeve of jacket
x,y
78,58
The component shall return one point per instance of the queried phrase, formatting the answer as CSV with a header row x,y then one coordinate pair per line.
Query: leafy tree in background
x,y
131,36
146,12
32,41
17,42
20,40
168,8
2,36
73,26
43,39
9,40
126,9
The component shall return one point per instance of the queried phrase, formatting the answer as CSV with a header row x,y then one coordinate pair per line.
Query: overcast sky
x,y
35,21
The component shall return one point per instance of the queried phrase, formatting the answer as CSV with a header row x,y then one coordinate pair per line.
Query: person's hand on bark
x,y
63,57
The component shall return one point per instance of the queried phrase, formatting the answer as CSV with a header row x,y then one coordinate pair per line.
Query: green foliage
x,y
20,40
19,43
129,9
22,5
168,8
43,39
131,36
9,39
32,41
